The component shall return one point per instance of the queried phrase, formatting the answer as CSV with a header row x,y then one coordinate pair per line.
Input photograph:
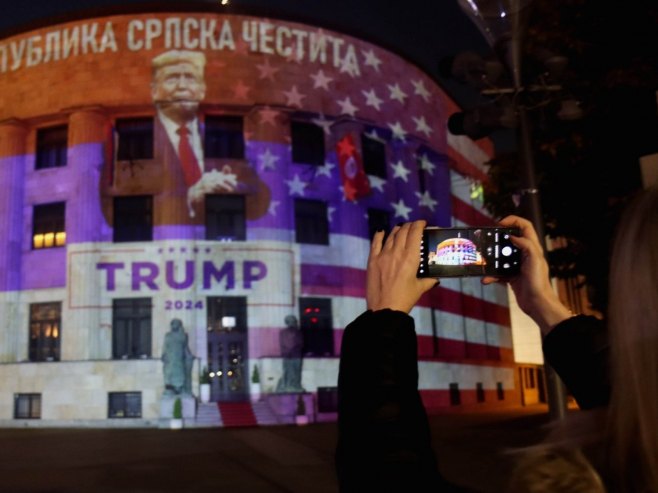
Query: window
x,y
124,405
225,217
479,392
311,222
45,331
133,218
49,225
52,144
499,391
378,220
131,328
422,186
374,156
307,143
455,396
328,399
135,139
224,137
27,406
317,326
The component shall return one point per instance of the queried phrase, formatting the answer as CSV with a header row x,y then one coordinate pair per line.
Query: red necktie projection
x,y
189,163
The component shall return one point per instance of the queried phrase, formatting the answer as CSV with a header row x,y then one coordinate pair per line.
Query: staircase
x,y
207,416
235,414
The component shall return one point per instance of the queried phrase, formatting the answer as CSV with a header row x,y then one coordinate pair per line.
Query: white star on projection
x,y
296,186
266,70
371,59
325,169
324,123
294,97
375,136
330,213
267,160
372,99
272,208
426,164
425,200
422,126
399,171
346,107
320,80
401,210
397,93
421,90
376,182
398,131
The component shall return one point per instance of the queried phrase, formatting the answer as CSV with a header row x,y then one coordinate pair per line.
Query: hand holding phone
x,y
461,252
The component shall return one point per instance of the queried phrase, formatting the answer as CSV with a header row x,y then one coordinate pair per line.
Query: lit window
x,y
45,331
48,225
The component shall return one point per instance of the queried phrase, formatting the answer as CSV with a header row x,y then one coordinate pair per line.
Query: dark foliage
x,y
587,169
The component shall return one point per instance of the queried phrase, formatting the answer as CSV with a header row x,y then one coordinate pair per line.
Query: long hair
x,y
633,322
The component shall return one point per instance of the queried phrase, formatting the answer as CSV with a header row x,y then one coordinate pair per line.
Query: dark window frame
x,y
311,222
319,333
135,138
51,147
378,219
34,405
307,143
373,153
224,137
132,328
226,217
132,221
43,345
119,405
455,394
500,392
49,219
479,392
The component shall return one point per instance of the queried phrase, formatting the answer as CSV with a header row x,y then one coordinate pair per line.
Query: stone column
x,y
83,336
12,176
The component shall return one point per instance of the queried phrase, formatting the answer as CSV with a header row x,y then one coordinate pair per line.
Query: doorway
x,y
227,348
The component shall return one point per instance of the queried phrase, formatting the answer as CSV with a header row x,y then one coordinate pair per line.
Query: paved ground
x,y
253,460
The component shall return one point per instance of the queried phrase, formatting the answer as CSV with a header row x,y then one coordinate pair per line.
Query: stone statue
x,y
178,361
291,342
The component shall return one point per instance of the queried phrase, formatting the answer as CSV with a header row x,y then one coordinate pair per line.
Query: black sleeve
x,y
578,351
384,442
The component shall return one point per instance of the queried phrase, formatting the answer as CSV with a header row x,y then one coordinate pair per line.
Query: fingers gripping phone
x,y
460,252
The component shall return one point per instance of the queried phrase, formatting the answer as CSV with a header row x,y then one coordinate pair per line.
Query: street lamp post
x,y
502,23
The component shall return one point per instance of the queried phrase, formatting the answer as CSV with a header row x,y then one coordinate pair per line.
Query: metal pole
x,y
530,207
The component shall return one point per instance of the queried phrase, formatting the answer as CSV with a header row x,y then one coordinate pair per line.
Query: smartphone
x,y
460,252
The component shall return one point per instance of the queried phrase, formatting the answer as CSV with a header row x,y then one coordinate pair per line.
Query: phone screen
x,y
458,252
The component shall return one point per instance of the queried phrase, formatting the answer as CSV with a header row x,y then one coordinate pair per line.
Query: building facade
x,y
225,171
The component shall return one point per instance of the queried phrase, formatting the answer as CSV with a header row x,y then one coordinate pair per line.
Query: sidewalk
x,y
249,460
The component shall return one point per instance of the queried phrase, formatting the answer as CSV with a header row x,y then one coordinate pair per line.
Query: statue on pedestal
x,y
178,361
291,342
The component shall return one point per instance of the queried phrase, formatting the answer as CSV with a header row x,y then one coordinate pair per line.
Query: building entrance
x,y
227,348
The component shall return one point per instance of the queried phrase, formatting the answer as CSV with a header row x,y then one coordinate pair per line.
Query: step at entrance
x,y
237,414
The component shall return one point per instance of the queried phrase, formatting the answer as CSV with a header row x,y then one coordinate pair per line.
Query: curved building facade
x,y
223,171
